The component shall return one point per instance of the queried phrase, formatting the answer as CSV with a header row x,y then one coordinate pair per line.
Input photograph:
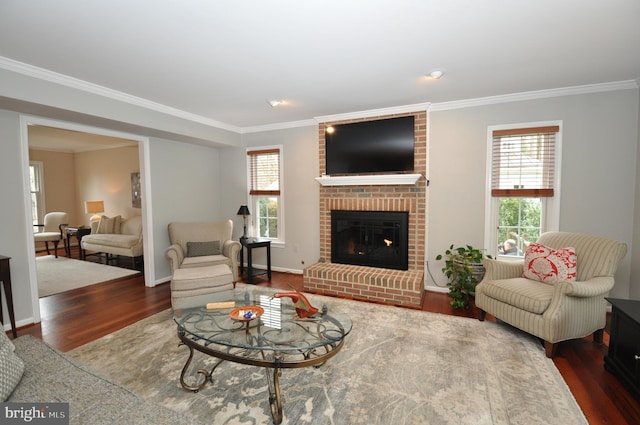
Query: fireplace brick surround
x,y
398,287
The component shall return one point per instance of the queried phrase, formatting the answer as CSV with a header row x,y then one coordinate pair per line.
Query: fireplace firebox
x,y
370,238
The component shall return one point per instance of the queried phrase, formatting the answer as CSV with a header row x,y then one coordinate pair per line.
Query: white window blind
x,y
523,162
264,170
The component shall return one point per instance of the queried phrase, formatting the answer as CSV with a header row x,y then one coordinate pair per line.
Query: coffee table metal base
x,y
273,367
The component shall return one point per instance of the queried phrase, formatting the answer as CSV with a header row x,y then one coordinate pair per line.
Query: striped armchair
x,y
554,312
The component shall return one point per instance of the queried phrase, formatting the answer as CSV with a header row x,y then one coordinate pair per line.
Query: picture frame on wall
x,y
136,199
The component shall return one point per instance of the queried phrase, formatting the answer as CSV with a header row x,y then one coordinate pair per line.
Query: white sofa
x,y
115,236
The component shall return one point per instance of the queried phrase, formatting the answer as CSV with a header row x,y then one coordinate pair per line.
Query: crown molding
x,y
57,78
374,112
65,80
532,95
278,126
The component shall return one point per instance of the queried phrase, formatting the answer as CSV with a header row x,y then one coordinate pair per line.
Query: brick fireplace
x,y
399,287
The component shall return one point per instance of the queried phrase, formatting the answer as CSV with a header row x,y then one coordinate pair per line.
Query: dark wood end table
x,y
250,244
5,276
623,357
79,232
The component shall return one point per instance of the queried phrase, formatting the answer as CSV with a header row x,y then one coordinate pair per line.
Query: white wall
x,y
15,217
598,184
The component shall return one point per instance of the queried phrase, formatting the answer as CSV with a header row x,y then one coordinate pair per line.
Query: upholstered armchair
x,y
202,238
204,262
52,230
554,312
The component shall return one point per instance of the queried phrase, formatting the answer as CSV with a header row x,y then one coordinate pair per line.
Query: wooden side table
x,y
623,358
5,276
250,244
79,232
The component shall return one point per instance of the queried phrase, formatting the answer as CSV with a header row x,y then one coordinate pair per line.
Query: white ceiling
x,y
224,60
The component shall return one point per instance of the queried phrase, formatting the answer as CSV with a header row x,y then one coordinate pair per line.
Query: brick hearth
x,y
398,287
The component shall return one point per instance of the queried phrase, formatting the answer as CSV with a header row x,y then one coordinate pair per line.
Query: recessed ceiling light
x,y
274,103
436,74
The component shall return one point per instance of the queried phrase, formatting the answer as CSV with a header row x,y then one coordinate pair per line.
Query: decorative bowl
x,y
246,313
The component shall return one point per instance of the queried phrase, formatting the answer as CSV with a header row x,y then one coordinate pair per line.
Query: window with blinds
x,y
264,177
523,162
264,171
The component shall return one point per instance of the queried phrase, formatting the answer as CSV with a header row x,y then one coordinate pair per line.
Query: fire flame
x,y
388,242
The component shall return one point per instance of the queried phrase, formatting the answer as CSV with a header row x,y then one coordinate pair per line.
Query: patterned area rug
x,y
397,366
62,274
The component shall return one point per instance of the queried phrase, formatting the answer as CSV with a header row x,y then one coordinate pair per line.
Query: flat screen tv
x,y
380,146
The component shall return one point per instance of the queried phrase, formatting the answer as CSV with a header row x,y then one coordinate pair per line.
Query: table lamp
x,y
94,207
244,212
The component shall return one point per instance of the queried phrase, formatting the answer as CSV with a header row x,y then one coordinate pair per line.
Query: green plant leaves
x,y
463,267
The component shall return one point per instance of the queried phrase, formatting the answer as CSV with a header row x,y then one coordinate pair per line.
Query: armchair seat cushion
x,y
203,261
193,278
524,294
47,236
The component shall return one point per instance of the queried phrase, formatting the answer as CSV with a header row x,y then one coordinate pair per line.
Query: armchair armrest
x,y
175,255
231,249
500,269
579,299
594,287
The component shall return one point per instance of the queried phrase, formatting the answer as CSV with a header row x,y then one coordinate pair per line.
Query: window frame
x,y
252,199
550,216
40,206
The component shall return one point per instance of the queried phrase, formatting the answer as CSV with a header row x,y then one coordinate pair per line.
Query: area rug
x,y
397,366
62,274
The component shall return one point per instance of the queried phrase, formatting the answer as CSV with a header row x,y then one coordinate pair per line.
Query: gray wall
x,y
186,185
598,182
301,193
635,254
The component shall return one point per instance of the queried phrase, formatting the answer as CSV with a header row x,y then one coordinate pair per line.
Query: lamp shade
x,y
244,210
93,207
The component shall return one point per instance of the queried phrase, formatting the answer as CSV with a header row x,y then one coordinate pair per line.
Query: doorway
x,y
87,138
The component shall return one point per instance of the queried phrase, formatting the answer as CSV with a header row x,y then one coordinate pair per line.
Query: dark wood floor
x,y
76,317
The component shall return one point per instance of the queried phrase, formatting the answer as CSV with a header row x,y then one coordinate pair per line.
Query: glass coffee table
x,y
254,328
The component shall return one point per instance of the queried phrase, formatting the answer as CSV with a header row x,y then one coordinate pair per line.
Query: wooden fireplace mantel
x,y
374,179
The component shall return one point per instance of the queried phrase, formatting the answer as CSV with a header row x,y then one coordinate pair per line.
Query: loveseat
x,y
115,236
41,374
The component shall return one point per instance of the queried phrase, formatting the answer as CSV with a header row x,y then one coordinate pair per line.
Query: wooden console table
x,y
5,276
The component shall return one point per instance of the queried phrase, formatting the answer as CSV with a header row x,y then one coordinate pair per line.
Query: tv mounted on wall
x,y
380,146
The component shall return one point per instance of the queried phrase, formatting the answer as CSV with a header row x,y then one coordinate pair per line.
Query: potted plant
x,y
463,267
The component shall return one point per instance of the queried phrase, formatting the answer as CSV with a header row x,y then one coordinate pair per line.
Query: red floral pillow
x,y
550,265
